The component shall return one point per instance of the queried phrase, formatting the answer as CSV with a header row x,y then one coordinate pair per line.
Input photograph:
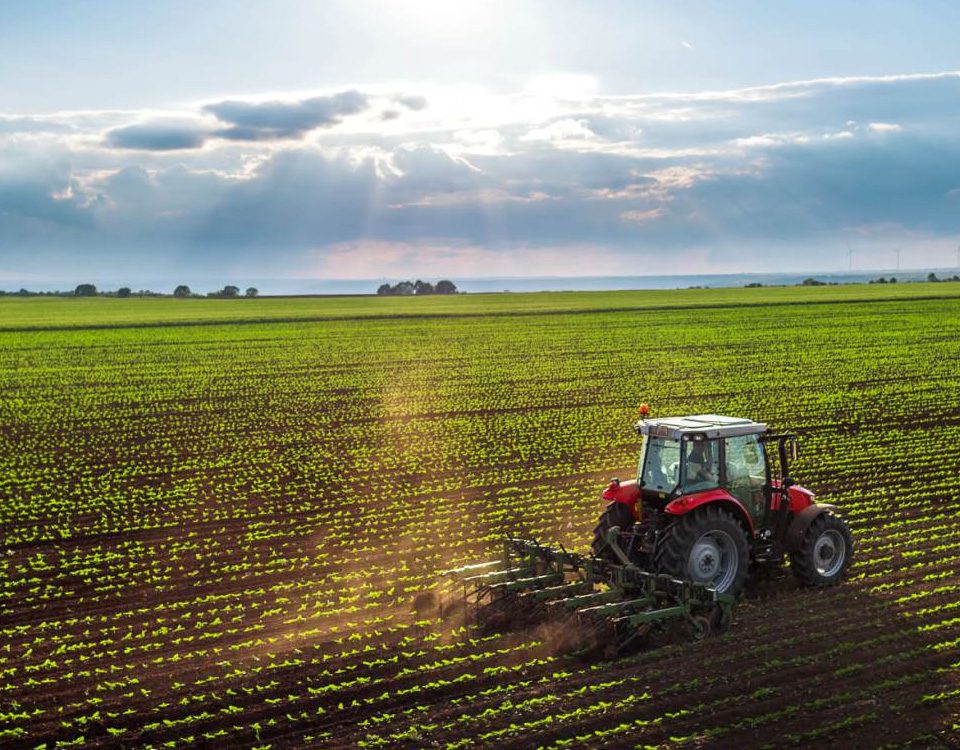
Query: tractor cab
x,y
689,455
712,495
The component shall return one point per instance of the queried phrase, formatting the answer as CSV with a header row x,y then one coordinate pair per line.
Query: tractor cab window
x,y
660,464
701,465
746,471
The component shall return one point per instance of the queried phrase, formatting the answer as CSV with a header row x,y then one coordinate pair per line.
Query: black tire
x,y
825,553
615,514
707,545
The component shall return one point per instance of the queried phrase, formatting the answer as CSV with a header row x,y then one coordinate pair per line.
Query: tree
x,y
252,291
419,287
230,291
123,291
810,281
182,291
85,290
932,277
422,287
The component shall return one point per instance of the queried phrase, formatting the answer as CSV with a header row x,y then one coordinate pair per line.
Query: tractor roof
x,y
708,425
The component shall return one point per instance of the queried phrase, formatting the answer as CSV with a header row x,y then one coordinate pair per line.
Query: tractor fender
x,y
627,493
801,522
686,503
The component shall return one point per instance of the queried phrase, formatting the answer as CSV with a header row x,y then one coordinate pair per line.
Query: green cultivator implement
x,y
613,605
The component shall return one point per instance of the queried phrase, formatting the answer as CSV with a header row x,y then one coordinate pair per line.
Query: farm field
x,y
230,535
23,313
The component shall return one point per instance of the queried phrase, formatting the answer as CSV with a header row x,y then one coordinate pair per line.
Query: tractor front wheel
x,y
825,553
615,514
709,546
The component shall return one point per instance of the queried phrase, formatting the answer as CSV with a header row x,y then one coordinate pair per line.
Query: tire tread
x,y
801,561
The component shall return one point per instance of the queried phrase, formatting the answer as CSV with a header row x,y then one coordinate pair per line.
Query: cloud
x,y
274,120
16,124
413,101
884,127
642,217
244,121
767,177
43,208
561,130
158,135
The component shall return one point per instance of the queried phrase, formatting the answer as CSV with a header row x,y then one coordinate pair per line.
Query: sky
x,y
430,138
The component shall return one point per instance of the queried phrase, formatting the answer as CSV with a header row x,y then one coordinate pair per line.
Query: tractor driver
x,y
701,467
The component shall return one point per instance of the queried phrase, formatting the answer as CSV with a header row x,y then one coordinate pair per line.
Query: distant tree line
x,y
418,287
90,290
230,292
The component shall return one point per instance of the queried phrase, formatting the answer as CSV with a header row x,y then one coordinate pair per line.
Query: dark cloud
x,y
263,121
43,210
428,171
298,198
245,121
412,102
157,136
130,185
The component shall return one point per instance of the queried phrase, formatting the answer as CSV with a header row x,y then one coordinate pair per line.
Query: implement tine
x,y
623,601
474,568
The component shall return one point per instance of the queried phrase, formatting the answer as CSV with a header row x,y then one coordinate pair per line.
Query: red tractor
x,y
713,495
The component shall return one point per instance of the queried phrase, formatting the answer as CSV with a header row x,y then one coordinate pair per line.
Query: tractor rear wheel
x,y
825,553
615,514
707,545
